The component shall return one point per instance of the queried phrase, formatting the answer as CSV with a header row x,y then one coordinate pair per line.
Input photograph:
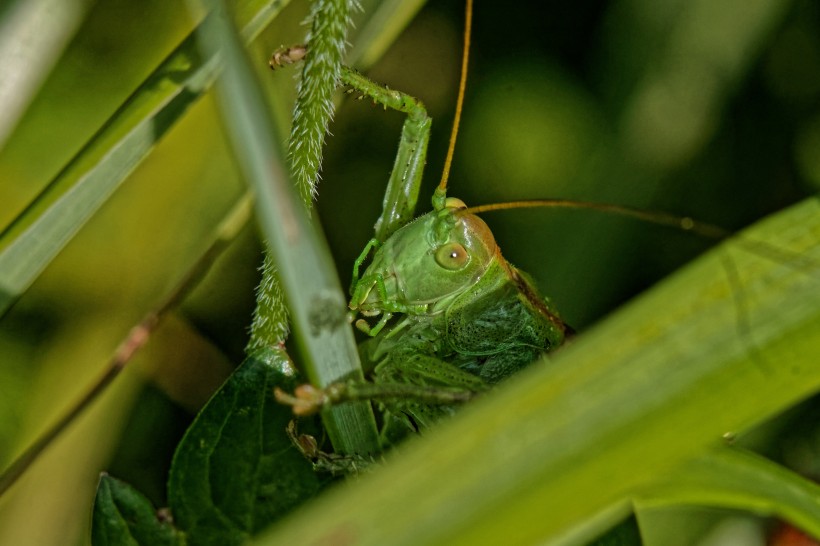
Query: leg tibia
x,y
405,180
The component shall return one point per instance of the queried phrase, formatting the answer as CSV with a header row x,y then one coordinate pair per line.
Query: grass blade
x,y
29,244
314,296
32,36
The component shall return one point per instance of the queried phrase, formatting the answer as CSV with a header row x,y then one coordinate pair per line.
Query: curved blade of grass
x,y
32,36
314,296
314,108
29,244
555,454
733,478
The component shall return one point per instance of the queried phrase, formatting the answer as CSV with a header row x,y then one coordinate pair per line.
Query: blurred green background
x,y
708,108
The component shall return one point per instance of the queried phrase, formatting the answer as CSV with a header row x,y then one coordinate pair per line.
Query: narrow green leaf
x,y
235,470
555,455
314,295
125,517
29,244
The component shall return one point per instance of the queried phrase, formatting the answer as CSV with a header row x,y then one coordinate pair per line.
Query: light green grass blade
x,y
554,456
312,290
29,244
32,36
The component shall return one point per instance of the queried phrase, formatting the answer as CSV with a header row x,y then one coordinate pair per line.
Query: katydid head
x,y
426,263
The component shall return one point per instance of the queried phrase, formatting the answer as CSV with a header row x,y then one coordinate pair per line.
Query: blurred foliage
x,y
709,108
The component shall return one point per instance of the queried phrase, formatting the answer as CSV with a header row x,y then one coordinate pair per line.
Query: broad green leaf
x,y
29,244
125,517
235,471
556,454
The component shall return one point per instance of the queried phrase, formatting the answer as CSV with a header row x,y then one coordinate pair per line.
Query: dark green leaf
x,y
124,516
235,470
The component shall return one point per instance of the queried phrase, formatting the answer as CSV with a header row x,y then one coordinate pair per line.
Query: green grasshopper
x,y
468,318
382,350
454,317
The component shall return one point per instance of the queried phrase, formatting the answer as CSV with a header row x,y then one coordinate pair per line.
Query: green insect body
x,y
468,318
454,316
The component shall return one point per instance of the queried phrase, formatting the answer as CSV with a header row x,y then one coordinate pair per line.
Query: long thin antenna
x,y
683,223
795,260
465,55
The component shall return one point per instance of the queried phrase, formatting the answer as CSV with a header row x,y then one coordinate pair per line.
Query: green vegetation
x,y
703,108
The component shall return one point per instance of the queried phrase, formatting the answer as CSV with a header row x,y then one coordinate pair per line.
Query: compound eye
x,y
452,256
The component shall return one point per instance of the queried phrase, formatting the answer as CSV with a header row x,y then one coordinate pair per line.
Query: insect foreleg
x,y
322,461
405,180
371,244
363,287
386,305
363,326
